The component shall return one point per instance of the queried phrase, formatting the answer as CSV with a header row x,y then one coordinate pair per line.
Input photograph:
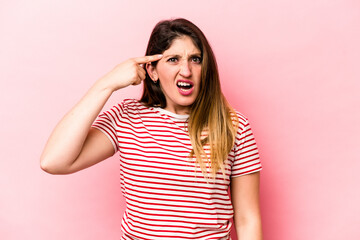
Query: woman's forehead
x,y
183,45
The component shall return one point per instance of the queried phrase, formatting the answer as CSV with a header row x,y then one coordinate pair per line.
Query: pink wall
x,y
292,67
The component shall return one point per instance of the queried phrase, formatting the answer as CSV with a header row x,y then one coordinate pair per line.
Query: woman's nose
x,y
185,69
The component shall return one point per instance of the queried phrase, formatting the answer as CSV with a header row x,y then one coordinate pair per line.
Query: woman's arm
x,y
73,145
245,200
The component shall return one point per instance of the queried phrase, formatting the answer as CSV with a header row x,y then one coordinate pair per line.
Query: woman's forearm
x,y
245,200
66,140
251,230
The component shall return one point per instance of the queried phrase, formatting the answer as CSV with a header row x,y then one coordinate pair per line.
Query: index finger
x,y
147,59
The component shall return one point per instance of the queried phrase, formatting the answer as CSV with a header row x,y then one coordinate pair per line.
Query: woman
x,y
181,146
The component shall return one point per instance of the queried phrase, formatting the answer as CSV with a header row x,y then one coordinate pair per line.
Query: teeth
x,y
183,84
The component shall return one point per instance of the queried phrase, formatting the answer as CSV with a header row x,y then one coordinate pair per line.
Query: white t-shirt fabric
x,y
166,193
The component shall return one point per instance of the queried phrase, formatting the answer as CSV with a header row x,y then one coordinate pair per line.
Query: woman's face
x,y
179,74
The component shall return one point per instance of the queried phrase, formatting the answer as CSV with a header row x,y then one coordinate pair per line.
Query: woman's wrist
x,y
102,87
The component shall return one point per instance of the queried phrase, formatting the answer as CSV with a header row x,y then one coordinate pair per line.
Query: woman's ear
x,y
151,70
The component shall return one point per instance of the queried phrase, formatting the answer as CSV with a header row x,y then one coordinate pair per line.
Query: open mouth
x,y
185,87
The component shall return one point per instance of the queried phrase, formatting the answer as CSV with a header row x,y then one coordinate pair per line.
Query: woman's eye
x,y
172,59
196,59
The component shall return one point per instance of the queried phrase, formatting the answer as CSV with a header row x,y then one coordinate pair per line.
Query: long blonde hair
x,y
210,113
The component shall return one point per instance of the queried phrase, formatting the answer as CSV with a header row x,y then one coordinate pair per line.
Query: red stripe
x,y
225,193
196,181
171,174
166,212
194,184
146,196
211,205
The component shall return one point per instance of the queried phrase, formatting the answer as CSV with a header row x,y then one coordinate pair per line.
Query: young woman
x,y
181,145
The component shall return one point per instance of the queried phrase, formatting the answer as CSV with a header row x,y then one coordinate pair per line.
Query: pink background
x,y
292,67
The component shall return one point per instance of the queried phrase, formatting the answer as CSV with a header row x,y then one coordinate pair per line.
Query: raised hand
x,y
129,72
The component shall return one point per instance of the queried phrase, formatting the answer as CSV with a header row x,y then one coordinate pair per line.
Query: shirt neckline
x,y
181,117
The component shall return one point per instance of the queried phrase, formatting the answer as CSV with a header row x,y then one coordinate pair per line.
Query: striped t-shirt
x,y
167,196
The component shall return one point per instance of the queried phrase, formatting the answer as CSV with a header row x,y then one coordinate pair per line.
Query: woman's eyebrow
x,y
177,55
171,55
196,54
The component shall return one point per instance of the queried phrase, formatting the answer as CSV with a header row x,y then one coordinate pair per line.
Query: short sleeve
x,y
106,122
246,154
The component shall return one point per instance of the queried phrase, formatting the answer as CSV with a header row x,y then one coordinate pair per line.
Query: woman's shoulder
x,y
240,120
130,102
130,105
238,116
